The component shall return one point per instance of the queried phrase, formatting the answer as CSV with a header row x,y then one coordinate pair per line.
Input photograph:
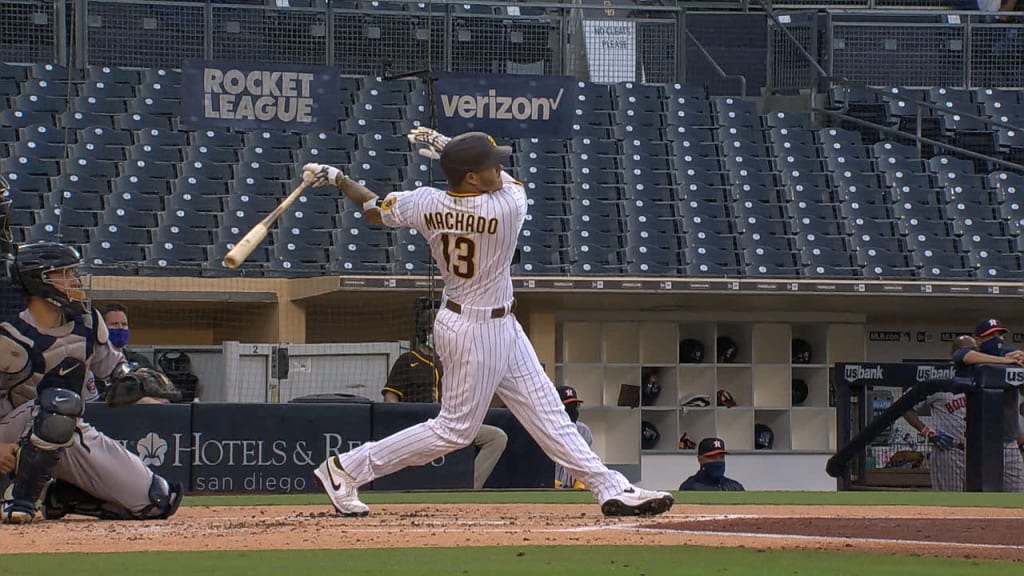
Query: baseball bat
x,y
252,239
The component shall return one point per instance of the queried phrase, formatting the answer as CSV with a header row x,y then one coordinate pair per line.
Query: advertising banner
x,y
270,447
249,96
508,106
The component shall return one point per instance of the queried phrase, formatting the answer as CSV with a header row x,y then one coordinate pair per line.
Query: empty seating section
x,y
656,180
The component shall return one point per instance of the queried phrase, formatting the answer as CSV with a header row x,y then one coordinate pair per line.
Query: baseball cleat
x,y
635,501
17,512
341,488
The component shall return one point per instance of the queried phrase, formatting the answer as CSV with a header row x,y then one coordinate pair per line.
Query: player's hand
x,y
940,439
321,175
428,142
8,457
1016,355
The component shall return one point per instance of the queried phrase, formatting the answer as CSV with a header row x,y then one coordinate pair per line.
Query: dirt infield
x,y
984,533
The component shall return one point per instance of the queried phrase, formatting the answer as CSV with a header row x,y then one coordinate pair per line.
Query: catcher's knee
x,y
57,418
164,499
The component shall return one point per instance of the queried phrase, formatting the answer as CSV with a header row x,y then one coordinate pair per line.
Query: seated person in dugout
x,y
571,401
711,476
416,377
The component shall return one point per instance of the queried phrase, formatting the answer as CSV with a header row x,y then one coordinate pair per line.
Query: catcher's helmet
x,y
801,351
799,391
725,350
691,351
764,438
650,387
49,270
649,435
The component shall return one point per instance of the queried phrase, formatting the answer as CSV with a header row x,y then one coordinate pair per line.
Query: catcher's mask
x,y
49,270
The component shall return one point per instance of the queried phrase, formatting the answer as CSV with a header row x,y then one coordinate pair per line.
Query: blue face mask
x,y
715,470
993,346
119,337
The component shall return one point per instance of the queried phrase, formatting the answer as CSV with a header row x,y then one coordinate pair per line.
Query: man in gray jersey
x,y
948,423
46,355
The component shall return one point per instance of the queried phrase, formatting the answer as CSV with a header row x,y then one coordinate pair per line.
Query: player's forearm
x,y
914,420
975,357
361,196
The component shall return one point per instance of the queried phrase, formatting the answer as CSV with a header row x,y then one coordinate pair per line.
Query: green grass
x,y
987,500
540,561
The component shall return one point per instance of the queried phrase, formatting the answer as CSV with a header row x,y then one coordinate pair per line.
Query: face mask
x,y
574,411
118,337
992,347
715,470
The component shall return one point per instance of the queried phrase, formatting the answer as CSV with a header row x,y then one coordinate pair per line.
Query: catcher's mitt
x,y
138,384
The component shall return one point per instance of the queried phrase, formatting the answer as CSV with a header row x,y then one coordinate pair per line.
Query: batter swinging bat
x,y
252,239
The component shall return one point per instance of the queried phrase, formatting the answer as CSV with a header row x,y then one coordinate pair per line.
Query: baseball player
x,y
46,353
416,377
711,476
571,401
472,231
946,432
990,344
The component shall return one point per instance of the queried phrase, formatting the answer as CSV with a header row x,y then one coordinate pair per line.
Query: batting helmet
x,y
799,391
49,270
649,435
650,387
801,351
764,438
691,351
725,350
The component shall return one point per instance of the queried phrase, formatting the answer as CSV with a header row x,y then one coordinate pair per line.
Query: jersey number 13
x,y
459,255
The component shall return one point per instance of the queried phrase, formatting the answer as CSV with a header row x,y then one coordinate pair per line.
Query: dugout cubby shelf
x,y
598,357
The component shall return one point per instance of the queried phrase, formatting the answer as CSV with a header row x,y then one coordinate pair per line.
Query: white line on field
x,y
833,538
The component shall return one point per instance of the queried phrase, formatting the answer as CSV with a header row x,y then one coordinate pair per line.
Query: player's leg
x,y
54,419
99,477
947,469
1013,468
490,441
531,396
473,359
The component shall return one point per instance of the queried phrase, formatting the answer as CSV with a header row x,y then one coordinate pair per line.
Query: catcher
x,y
46,355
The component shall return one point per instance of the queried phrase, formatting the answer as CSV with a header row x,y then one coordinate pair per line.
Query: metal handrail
x,y
718,69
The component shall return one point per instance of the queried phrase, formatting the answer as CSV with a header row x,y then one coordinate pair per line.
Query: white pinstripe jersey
x,y
472,237
948,412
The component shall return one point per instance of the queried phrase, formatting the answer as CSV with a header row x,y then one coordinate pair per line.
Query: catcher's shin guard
x,y
62,498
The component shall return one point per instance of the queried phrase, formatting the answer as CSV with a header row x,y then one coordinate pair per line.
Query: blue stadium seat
x,y
139,184
114,234
166,138
113,75
19,118
79,120
139,121
98,105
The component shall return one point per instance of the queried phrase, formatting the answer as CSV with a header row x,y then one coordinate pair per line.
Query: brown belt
x,y
495,312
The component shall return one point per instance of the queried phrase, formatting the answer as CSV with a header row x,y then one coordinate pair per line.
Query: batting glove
x,y
939,438
428,142
321,175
